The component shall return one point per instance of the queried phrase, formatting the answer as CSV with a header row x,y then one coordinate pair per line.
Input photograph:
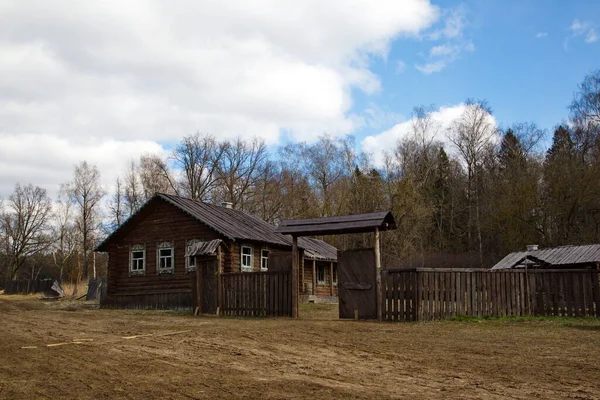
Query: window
x,y
246,258
321,275
190,261
164,263
137,256
264,259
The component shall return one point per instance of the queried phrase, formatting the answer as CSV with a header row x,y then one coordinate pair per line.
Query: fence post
x,y
417,298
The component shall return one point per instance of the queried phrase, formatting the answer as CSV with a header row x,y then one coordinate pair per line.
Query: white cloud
x,y
454,24
432,67
578,27
400,66
582,28
442,55
541,35
387,140
104,80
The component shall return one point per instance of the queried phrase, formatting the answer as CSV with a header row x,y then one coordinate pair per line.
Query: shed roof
x,y
335,225
204,248
234,224
555,256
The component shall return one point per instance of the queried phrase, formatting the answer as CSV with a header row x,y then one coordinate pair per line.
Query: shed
x,y
567,257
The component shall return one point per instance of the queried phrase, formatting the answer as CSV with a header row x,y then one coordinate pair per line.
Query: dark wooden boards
x,y
432,294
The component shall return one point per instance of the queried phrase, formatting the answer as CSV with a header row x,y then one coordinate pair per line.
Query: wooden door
x,y
208,278
357,288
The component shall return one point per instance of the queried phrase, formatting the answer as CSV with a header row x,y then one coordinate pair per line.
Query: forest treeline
x,y
462,202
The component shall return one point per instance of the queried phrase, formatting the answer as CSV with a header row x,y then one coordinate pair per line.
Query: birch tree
x,y
85,192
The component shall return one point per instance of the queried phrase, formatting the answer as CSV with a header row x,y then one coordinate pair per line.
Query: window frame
x,y
188,266
163,246
134,249
264,258
324,280
249,268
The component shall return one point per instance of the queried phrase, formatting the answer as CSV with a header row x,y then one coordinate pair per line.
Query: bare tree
x,y
155,176
133,191
198,156
25,225
472,134
116,206
238,168
66,241
85,192
327,161
585,108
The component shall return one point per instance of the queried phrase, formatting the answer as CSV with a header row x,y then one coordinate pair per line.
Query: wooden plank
x,y
596,291
569,293
576,295
396,294
378,273
294,277
331,278
582,302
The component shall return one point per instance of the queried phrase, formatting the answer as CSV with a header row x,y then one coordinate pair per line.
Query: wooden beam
x,y
314,282
331,278
295,277
198,288
219,283
378,275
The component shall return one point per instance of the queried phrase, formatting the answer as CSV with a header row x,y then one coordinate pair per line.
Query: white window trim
x,y
189,244
162,246
242,267
264,258
137,247
324,281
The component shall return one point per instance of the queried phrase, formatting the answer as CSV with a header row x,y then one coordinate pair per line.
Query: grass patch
x,y
566,321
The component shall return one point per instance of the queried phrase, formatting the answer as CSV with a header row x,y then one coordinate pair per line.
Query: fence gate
x,y
357,288
208,271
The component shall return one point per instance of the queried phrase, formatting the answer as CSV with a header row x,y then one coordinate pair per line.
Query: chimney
x,y
226,204
532,247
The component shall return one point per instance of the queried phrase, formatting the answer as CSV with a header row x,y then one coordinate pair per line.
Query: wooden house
x,y
152,256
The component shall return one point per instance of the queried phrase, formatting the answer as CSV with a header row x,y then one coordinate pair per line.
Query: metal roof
x,y
563,255
236,225
335,225
317,249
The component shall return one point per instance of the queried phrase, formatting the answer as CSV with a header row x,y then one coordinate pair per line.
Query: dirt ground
x,y
179,356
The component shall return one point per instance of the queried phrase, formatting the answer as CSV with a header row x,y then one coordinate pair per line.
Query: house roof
x,y
317,249
233,224
334,225
555,256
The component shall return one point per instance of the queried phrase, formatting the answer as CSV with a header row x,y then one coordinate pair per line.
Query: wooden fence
x,y
26,286
257,294
426,294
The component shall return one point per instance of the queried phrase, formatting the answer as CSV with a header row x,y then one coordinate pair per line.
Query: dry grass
x,y
179,356
68,287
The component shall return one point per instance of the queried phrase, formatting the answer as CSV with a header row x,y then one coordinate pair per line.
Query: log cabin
x,y
152,256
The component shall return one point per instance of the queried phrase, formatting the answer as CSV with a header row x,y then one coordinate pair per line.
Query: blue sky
x,y
109,81
526,62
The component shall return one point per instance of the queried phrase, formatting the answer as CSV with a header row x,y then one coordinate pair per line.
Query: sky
x,y
108,81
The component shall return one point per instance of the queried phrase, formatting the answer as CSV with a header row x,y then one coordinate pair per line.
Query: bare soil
x,y
175,355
